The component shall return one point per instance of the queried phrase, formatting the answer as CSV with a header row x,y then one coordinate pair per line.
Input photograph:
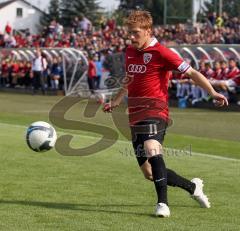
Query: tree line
x,y
64,11
175,11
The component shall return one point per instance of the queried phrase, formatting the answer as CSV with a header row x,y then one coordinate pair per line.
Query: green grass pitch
x,y
106,191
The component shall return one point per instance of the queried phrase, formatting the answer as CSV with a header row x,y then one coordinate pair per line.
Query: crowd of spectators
x,y
83,35
224,77
215,30
109,38
19,74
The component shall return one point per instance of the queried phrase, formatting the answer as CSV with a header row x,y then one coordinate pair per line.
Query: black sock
x,y
178,181
159,177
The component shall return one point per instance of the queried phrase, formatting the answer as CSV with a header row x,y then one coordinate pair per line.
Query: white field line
x,y
127,142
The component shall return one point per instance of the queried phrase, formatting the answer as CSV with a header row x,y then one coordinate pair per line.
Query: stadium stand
x,y
107,44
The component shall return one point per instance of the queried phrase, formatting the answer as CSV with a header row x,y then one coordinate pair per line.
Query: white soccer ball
x,y
41,136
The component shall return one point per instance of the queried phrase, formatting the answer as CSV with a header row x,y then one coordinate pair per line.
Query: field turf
x,y
106,191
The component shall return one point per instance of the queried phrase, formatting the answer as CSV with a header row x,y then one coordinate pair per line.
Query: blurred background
x,y
71,33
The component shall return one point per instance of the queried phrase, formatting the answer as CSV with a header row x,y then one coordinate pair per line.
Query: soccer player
x,y
148,65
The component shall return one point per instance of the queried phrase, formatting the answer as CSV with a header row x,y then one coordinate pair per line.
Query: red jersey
x,y
232,73
217,74
209,73
148,88
15,67
225,72
4,68
8,29
92,70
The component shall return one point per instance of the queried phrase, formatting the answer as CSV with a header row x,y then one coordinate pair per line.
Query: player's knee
x,y
152,148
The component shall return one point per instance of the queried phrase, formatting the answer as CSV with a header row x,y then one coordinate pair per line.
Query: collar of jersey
x,y
152,43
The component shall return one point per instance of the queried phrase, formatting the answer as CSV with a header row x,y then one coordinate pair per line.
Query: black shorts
x,y
150,129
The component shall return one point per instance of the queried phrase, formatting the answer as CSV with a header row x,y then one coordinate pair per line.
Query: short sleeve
x,y
172,61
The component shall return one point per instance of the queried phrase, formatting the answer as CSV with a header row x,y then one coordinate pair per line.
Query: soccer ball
x,y
41,136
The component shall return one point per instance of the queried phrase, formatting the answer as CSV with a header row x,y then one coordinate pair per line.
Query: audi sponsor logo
x,y
134,68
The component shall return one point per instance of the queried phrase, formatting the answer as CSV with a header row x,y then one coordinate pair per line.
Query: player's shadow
x,y
104,208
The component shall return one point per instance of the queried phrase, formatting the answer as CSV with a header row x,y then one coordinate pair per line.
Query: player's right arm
x,y
108,107
115,102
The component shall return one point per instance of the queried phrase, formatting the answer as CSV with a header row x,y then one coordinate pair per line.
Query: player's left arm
x,y
201,80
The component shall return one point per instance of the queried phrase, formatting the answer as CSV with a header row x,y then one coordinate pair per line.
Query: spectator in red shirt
x,y
111,23
231,80
4,73
225,69
92,74
21,73
15,73
208,71
27,78
217,75
8,28
233,69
